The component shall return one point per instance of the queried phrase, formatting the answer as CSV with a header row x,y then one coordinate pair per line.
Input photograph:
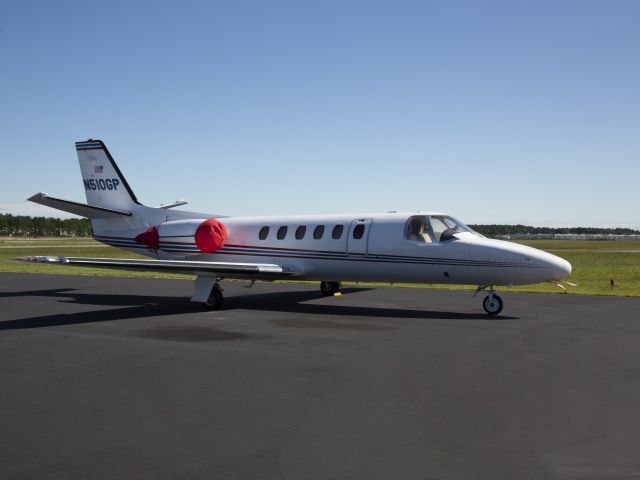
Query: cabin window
x,y
264,233
358,231
282,232
337,232
318,232
300,231
419,230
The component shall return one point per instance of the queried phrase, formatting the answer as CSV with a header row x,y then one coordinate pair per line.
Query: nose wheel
x,y
492,304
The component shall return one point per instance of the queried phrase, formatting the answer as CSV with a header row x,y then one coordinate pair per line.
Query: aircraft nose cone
x,y
559,267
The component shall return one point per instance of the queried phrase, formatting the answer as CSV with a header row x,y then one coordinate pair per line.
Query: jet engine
x,y
207,234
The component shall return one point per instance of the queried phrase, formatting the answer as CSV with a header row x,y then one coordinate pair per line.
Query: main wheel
x,y
492,304
329,288
214,302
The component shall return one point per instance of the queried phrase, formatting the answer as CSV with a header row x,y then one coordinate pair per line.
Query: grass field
x,y
11,248
595,263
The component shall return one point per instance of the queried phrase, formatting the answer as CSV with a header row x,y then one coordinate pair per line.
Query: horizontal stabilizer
x,y
176,266
177,203
82,209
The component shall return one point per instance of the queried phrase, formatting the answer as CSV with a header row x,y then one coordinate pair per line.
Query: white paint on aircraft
x,y
390,247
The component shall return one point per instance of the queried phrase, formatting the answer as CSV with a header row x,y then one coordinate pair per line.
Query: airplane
x,y
391,247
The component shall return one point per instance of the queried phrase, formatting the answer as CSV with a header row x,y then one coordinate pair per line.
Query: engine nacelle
x,y
207,234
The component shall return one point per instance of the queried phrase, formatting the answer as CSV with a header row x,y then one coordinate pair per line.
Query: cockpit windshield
x,y
434,228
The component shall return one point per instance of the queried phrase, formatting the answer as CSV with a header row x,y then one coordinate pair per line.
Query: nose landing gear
x,y
492,303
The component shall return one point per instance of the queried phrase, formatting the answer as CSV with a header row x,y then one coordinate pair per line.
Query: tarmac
x,y
125,378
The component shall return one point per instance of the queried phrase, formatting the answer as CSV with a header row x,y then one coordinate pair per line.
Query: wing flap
x,y
176,266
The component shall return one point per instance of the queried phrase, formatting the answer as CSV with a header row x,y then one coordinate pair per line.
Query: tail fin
x,y
104,184
111,204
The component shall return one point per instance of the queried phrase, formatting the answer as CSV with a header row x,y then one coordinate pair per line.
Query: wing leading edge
x,y
176,266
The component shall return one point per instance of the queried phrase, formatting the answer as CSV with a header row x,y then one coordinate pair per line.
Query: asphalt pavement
x,y
125,378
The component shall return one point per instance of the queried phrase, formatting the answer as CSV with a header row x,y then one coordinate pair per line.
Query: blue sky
x,y
495,112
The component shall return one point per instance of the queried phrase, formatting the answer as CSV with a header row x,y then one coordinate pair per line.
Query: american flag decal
x,y
98,169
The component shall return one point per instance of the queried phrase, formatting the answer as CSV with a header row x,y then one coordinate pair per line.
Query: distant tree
x,y
21,225
494,230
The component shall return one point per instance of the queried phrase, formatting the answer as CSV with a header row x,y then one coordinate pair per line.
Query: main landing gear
x,y
215,299
330,288
492,303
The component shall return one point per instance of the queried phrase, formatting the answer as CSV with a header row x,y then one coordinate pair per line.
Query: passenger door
x,y
358,237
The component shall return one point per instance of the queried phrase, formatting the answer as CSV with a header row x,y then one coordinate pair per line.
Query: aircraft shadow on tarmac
x,y
141,306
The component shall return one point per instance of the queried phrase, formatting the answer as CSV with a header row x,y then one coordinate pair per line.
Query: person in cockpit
x,y
418,230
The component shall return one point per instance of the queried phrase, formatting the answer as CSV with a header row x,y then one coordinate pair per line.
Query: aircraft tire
x,y
214,302
329,288
493,306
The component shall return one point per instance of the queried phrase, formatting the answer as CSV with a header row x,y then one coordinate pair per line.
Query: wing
x,y
176,266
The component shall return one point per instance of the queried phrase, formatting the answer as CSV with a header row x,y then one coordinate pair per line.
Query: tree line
x,y
493,230
25,226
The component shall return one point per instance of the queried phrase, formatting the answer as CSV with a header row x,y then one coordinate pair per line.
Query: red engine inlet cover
x,y
210,235
150,238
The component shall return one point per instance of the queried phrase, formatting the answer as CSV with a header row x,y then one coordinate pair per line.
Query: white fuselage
x,y
370,248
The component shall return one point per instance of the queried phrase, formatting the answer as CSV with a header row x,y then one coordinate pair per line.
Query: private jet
x,y
413,247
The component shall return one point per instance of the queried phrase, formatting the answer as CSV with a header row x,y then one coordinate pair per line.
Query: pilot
x,y
417,231
423,234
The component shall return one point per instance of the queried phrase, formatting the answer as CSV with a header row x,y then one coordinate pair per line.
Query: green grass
x,y
594,263
10,248
581,245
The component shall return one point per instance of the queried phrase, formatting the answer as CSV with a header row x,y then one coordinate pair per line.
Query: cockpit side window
x,y
434,228
445,227
438,225
418,229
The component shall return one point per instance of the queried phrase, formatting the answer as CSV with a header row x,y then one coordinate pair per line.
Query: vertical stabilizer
x,y
104,184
